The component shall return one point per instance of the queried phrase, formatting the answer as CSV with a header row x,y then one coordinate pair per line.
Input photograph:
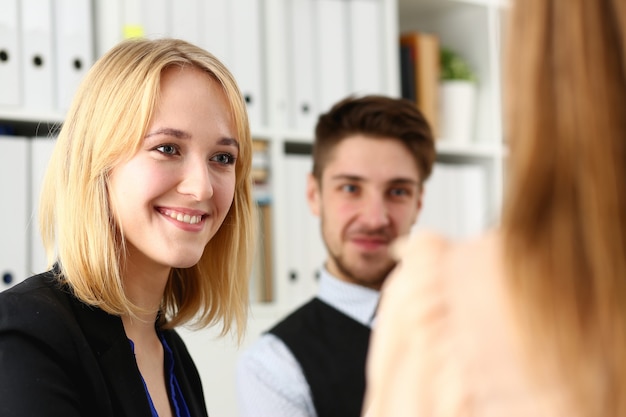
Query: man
x,y
370,158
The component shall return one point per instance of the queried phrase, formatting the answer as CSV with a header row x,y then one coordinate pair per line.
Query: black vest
x,y
331,349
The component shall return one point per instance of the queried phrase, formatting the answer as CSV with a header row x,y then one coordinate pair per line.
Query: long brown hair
x,y
564,219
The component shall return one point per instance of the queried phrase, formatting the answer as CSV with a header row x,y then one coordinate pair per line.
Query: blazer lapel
x,y
105,333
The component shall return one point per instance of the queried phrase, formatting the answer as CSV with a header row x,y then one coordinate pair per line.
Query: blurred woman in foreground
x,y
529,319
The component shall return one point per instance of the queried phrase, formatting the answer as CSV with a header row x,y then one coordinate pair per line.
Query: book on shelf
x,y
420,68
407,73
261,170
261,281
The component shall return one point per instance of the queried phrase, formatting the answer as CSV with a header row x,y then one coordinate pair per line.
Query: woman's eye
x,y
224,158
167,149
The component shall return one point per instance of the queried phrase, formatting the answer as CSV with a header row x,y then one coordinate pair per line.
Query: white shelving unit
x,y
473,29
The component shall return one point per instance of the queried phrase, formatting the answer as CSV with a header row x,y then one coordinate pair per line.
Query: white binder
x,y
143,18
296,211
38,58
472,199
155,18
186,19
216,36
10,61
132,18
74,47
246,63
366,47
438,213
315,251
455,200
332,55
109,22
303,108
41,150
303,255
13,210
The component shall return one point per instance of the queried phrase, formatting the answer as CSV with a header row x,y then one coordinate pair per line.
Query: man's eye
x,y
224,158
350,188
167,149
399,192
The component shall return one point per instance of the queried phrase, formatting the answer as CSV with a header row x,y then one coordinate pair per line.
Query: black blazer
x,y
60,357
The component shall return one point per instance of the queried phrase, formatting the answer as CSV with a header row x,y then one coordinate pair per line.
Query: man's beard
x,y
374,280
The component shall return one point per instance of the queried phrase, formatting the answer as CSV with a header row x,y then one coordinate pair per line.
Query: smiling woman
x,y
147,205
184,171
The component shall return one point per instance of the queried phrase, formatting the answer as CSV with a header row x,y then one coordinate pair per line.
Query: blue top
x,y
179,407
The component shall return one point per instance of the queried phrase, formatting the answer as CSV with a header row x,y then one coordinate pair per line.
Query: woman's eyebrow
x,y
181,134
168,131
229,142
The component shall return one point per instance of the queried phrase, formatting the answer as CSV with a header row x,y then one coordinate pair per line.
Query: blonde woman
x,y
147,207
530,319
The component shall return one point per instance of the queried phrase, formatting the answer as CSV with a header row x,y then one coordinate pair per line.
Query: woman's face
x,y
172,196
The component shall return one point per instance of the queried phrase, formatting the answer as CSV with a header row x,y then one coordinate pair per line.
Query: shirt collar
x,y
353,300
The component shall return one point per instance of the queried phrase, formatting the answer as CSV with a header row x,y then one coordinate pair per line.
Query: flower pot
x,y
457,100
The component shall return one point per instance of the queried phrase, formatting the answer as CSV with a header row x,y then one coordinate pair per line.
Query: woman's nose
x,y
196,180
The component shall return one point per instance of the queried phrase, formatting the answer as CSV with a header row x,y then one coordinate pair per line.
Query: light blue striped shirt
x,y
270,382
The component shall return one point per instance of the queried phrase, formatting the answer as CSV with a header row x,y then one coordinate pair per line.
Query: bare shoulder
x,y
479,254
474,266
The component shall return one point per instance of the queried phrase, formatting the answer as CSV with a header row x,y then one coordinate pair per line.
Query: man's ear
x,y
420,199
313,194
420,203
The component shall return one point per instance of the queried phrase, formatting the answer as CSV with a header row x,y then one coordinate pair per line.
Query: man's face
x,y
369,195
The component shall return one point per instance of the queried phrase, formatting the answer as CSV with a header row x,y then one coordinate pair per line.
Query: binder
x,y
155,18
331,21
296,210
246,59
144,18
472,199
132,22
303,254
10,54
74,47
455,200
437,211
38,64
366,47
185,20
41,150
109,23
14,210
302,107
215,34
315,253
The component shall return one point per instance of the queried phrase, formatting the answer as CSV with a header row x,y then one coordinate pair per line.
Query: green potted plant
x,y
457,98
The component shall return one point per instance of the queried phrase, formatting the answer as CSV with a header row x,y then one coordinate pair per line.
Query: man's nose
x,y
375,212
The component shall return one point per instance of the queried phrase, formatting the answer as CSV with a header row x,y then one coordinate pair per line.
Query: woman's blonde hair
x,y
104,127
565,213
